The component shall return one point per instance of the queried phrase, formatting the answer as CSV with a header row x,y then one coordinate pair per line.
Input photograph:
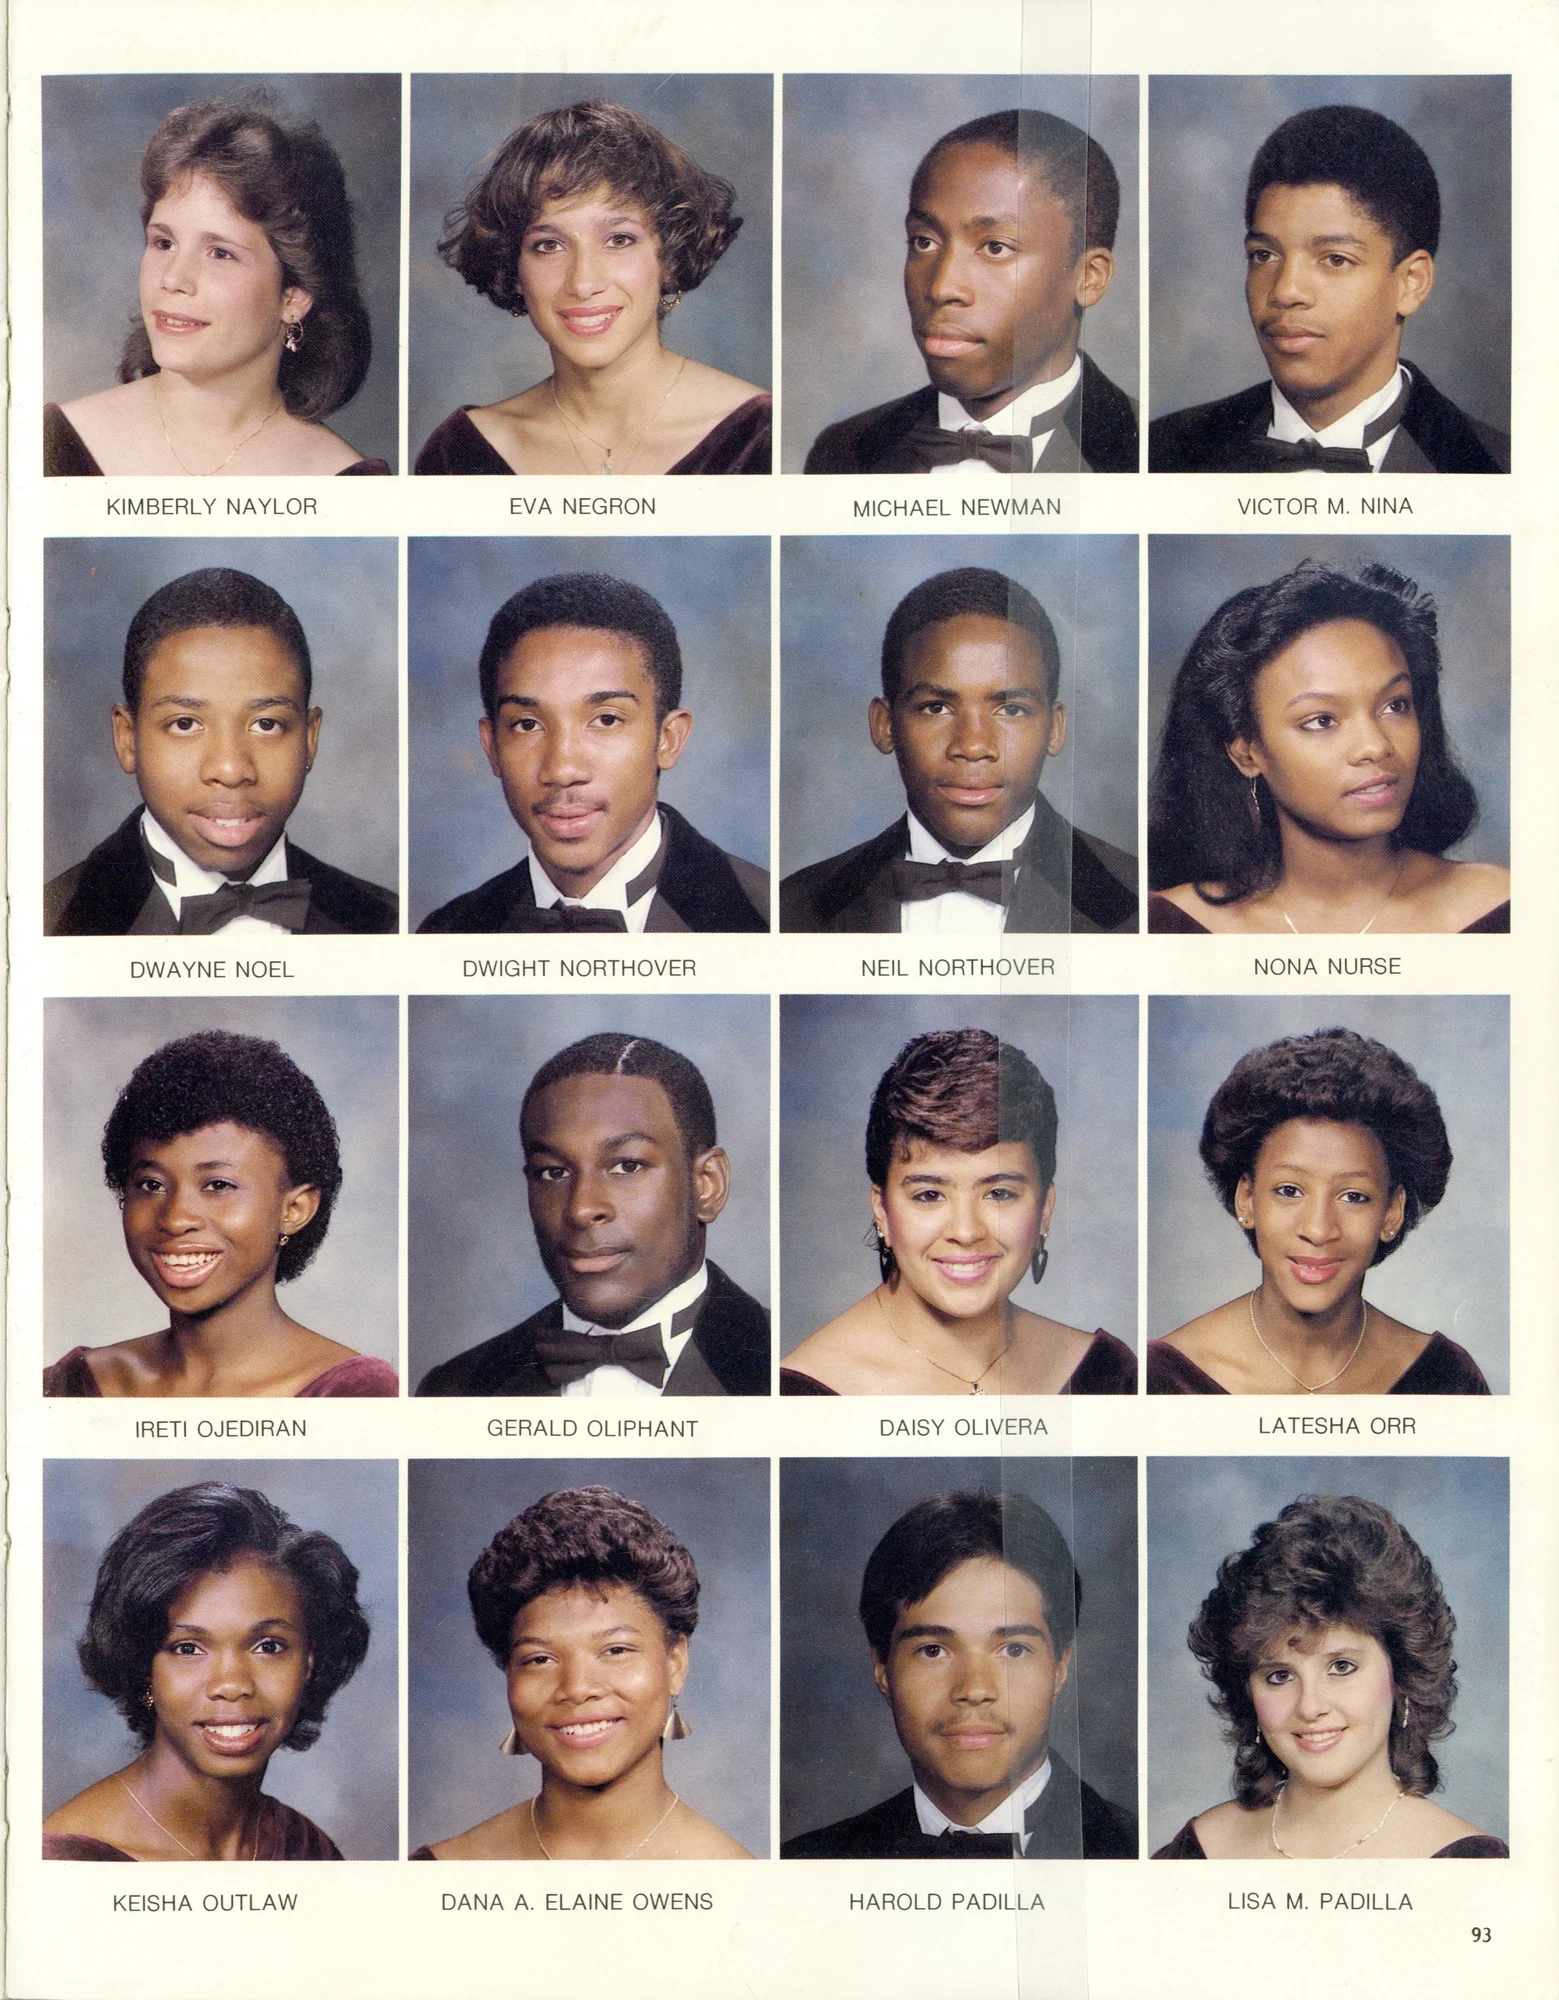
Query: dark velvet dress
x,y
1443,1369
738,443
1108,1368
360,1375
65,456
1167,919
284,1835
1476,1847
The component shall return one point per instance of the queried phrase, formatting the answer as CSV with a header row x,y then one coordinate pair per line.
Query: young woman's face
x,y
204,1214
963,1226
1324,1703
591,1678
228,1680
212,293
590,274
1337,736
1320,1201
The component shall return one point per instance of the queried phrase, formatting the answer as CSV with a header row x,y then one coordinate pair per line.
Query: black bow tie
x,y
918,881
569,1357
955,1845
574,917
933,446
1270,454
283,903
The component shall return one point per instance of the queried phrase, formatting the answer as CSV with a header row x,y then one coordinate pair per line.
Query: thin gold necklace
x,y
1353,1845
237,448
606,464
1372,922
971,1383
1364,1327
632,1851
168,1830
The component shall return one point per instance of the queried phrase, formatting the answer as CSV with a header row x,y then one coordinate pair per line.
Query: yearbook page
x,y
829,708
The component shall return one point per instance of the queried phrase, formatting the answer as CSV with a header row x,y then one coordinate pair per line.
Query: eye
x,y
183,1649
1324,719
924,1197
1001,1194
1016,1649
1344,1667
271,1648
933,1649
932,705
270,725
158,239
623,238
220,250
547,1176
920,243
1277,1677
1258,253
1359,1197
629,1167
218,1184
1402,704
1016,710
999,250
524,725
183,725
609,718
1288,1191
146,1184
1336,261
541,246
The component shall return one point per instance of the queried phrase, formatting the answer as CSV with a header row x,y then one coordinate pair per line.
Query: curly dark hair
x,y
214,1078
205,1530
285,177
1349,1079
960,1087
1074,166
1326,1561
221,597
595,603
1369,156
1200,825
568,152
967,593
592,1536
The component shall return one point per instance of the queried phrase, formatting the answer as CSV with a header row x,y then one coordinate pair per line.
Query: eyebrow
x,y
1339,236
1322,694
618,1139
1031,690
1347,1174
950,1631
969,222
941,1180
611,1632
203,1632
534,701
200,701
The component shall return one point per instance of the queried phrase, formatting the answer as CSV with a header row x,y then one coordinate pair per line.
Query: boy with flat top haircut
x,y
969,708
216,729
581,680
1011,230
1342,222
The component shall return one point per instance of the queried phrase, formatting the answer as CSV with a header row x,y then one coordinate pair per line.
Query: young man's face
x,y
575,742
972,1676
618,1208
1327,298
220,743
971,728
994,291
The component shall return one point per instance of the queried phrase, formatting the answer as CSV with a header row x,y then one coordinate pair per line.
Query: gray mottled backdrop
x,y
833,1050
474,1267
718,1508
716,591
1204,132
852,144
836,595
838,1750
1189,576
92,1293
463,349
347,1783
344,592
1203,1509
95,129
1452,1274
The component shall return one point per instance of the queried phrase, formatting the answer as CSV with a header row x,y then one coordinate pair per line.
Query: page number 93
x,y
1481,1934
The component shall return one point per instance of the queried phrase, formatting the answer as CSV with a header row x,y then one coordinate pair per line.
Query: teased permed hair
x,y
636,1055
1200,825
213,1078
590,1536
1348,1079
1369,157
1329,1561
200,1531
568,152
224,597
960,1087
1076,168
966,593
286,178
594,604
937,1534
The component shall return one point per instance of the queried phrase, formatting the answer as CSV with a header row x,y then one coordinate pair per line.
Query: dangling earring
x,y
1255,803
511,1746
292,335
887,1263
1407,1710
517,312
1039,1263
148,1700
678,1729
669,301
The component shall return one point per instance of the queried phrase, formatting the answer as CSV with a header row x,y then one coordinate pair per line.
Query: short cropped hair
x,y
285,177
966,593
963,1088
225,597
939,1533
1329,1561
1074,166
1200,825
1343,1077
205,1530
595,604
215,1078
1369,156
568,152
616,1054
590,1536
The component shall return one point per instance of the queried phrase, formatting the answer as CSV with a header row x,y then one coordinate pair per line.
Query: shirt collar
x,y
1348,431
611,892
924,845
1021,416
660,1314
190,879
1008,1817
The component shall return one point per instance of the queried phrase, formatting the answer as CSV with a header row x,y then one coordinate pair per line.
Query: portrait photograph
x,y
980,1157
235,1613
263,215
1010,315
673,1556
920,1543
229,1135
552,810
229,648
1317,1630
1296,1143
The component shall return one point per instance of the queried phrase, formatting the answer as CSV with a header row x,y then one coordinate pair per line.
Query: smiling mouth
x,y
1315,1270
591,323
966,1270
1318,1740
232,1739
596,1730
184,1269
177,323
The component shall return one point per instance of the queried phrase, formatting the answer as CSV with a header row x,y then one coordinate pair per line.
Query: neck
x,y
577,882
1051,369
234,1343
602,1822
1333,1330
1324,408
1326,879
964,1345
969,1808
1327,1817
215,1818
613,401
219,408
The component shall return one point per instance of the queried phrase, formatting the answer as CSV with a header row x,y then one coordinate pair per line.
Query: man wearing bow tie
x,y
970,675
216,729
581,680
1011,228
624,1175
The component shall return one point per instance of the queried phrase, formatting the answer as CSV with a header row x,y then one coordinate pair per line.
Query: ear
x,y
1244,1204
296,304
1396,1209
711,1183
1063,1670
315,717
1047,1209
485,730
1415,281
676,1659
880,1676
879,720
1096,268
1244,754
299,1207
1057,741
122,723
880,1215
675,730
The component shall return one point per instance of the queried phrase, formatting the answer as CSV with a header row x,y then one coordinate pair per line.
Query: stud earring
x,y
282,1242
148,1700
518,312
1039,1263
678,1729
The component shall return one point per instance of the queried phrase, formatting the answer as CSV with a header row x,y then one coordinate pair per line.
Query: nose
x,y
586,271
1289,281
948,276
1368,742
974,738
228,759
978,1681
589,1200
179,1212
964,1222
180,266
563,760
1314,1698
231,1678
579,1677
1317,1218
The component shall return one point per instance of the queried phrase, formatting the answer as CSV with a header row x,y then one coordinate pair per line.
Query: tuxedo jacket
x,y
701,888
1068,1819
1066,881
1101,419
113,893
1433,436
726,1355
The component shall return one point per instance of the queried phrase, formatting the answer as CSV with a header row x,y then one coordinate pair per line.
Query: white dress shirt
x,y
609,1380
1007,1818
611,892
1021,418
958,909
1347,434
190,879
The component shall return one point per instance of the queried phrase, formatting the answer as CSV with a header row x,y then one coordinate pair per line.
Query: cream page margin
x,y
1119,1931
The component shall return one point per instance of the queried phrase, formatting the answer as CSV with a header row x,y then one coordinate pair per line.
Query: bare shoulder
x,y
695,1838
530,403
1229,1832
122,1365
1432,1826
96,1812
123,398
315,448
504,1837
712,394
1206,1336
837,1353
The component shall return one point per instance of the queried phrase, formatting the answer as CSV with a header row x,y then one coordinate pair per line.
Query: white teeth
x,y
230,1729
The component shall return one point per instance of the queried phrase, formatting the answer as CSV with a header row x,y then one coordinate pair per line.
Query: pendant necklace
x,y
536,1830
1372,922
156,1822
1364,1327
606,464
193,474
971,1383
1349,1849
